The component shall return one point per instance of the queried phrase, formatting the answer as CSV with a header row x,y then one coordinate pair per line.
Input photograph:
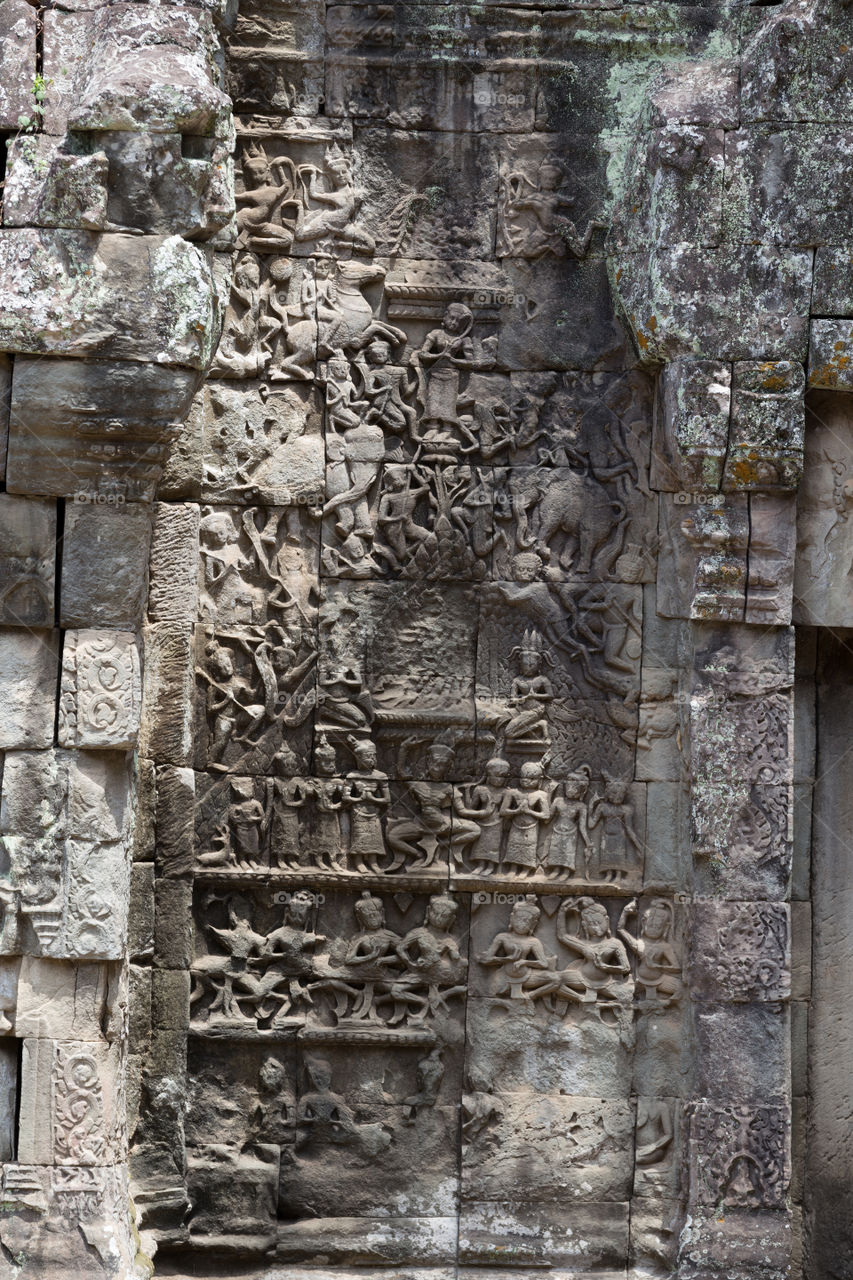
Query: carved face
x,y
365,755
336,163
526,566
529,661
523,918
221,664
497,772
256,170
550,177
370,913
246,275
217,530
378,353
595,921
655,923
441,914
272,1075
531,776
437,762
339,370
457,318
296,911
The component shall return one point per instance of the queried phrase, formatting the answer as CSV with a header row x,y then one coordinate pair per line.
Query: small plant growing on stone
x,y
33,123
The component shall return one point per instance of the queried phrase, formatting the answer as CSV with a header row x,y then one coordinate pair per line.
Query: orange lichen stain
x,y
742,471
642,340
731,575
618,275
651,324
825,376
773,381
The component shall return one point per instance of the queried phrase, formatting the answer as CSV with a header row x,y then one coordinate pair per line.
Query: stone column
x,y
117,197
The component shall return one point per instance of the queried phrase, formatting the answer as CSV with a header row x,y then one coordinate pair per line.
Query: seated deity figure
x,y
432,960
368,963
323,1116
435,825
335,199
526,968
531,693
269,187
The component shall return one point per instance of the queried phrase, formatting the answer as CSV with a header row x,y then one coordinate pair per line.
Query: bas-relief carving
x,y
418,666
433,713
65,823
270,972
823,503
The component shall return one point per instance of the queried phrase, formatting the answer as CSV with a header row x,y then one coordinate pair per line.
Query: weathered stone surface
x,y
767,427
56,403
27,561
100,691
693,429
73,293
166,731
831,342
150,70
17,62
736,303
105,548
47,186
173,587
441,924
28,672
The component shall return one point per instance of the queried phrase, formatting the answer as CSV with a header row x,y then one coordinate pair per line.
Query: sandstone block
x,y
27,561
104,564
28,670
173,588
77,293
101,690
17,62
71,415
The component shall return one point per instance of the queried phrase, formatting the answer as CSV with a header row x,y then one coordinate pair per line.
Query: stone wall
x,y
117,191
407,790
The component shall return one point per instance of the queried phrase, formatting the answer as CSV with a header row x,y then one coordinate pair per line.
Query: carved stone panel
x,y
100,690
27,561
